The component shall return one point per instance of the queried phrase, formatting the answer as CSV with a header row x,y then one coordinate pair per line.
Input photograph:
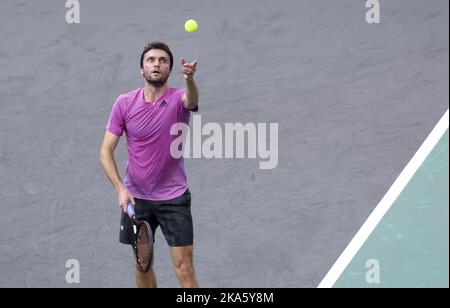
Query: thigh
x,y
175,219
145,210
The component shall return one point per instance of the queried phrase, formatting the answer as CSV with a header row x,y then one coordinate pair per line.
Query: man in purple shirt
x,y
155,182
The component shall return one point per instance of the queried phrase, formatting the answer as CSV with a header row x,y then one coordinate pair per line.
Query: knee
x,y
184,269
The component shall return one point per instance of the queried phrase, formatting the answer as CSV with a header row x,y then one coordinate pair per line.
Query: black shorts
x,y
174,217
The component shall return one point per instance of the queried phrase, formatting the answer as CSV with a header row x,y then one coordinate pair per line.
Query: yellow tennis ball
x,y
190,26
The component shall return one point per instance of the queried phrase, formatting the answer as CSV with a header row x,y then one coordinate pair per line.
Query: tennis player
x,y
155,182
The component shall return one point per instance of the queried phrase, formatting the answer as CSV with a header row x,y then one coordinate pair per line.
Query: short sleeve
x,y
180,93
116,122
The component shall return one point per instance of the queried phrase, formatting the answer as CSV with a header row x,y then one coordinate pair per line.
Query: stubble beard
x,y
156,82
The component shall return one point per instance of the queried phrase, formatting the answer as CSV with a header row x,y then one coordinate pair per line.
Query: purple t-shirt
x,y
151,173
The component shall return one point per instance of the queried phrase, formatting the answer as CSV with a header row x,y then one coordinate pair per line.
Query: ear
x,y
142,71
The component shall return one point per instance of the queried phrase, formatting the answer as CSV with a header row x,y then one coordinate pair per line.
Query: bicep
x,y
110,141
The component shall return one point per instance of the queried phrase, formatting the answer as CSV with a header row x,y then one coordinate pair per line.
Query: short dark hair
x,y
157,45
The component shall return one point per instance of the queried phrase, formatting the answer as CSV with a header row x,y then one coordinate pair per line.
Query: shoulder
x,y
124,100
177,92
130,96
178,95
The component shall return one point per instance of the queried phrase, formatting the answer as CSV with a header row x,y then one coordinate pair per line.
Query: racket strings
x,y
143,248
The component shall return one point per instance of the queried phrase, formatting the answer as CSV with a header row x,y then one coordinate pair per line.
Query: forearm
x,y
110,167
191,93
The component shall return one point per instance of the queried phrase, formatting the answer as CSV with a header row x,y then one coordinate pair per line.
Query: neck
x,y
152,93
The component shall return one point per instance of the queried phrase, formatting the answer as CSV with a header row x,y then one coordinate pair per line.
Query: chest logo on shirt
x,y
163,104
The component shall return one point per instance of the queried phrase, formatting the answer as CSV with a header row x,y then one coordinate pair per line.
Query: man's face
x,y
156,67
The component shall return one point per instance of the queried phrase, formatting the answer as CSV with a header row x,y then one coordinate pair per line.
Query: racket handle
x,y
131,210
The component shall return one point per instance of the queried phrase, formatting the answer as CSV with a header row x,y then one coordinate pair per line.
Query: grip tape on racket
x,y
131,210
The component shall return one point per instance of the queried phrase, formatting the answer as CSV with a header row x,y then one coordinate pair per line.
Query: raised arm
x,y
190,98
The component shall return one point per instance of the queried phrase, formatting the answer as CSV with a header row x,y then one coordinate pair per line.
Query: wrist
x,y
119,187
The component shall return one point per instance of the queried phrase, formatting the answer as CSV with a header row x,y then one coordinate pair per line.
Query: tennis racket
x,y
142,242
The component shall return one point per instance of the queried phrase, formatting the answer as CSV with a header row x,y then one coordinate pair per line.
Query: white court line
x,y
383,206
